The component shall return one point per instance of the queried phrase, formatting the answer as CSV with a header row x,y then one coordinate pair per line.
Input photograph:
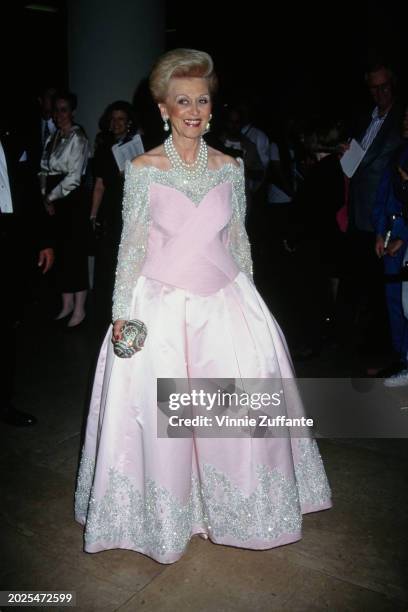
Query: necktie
x,y
46,132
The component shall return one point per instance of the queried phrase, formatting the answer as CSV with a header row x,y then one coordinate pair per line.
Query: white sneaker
x,y
397,380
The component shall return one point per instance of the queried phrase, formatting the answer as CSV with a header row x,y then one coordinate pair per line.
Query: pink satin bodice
x,y
188,243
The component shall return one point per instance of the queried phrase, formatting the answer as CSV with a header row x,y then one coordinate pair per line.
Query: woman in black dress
x,y
118,123
63,166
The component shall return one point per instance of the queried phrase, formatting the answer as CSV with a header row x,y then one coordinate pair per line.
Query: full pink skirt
x,y
140,492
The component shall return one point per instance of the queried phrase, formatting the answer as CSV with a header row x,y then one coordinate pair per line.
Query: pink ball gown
x,y
185,269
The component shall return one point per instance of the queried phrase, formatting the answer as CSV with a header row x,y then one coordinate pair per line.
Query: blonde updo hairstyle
x,y
181,63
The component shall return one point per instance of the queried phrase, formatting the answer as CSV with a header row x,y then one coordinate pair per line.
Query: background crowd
x,y
329,251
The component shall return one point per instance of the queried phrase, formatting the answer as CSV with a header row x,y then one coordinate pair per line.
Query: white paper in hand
x,y
127,151
351,159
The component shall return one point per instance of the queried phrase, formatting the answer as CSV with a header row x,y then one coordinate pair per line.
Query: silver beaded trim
x,y
157,522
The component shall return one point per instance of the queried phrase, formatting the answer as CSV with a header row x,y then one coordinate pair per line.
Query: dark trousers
x,y
361,308
15,265
393,293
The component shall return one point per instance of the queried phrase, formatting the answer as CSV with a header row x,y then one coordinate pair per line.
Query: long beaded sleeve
x,y
239,245
133,243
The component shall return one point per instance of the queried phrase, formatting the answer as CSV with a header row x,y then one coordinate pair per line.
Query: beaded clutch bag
x,y
134,334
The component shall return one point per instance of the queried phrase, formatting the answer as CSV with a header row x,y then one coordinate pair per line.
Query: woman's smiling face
x,y
187,106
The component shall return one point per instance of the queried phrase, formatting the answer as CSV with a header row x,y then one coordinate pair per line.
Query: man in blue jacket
x,y
391,242
379,134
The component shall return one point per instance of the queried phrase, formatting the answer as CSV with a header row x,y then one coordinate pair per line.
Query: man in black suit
x,y
379,134
40,125
24,226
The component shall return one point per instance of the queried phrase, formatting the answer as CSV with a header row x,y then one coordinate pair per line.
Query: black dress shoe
x,y
18,418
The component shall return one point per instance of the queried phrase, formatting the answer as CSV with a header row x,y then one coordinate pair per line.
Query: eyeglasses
x,y
382,88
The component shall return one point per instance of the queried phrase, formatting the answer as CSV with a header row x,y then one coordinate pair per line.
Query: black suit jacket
x,y
33,222
365,182
33,140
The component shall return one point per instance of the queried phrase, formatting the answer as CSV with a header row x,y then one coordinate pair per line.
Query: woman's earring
x,y
166,126
208,126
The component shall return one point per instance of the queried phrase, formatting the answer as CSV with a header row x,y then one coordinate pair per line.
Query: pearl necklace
x,y
187,171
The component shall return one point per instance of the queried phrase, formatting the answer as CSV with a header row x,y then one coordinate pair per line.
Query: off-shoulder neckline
x,y
170,170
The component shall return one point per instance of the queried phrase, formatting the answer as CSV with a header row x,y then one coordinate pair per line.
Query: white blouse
x,y
64,155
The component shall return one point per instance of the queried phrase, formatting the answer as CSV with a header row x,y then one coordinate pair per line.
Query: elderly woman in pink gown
x,y
185,270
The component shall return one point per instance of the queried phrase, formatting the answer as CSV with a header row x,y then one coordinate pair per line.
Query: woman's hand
x,y
49,207
46,259
394,246
117,329
403,174
379,246
343,147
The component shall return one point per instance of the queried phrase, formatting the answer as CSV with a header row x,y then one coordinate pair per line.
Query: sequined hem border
x,y
157,522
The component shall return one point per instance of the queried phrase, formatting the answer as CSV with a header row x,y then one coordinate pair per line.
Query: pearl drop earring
x,y
208,126
166,126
